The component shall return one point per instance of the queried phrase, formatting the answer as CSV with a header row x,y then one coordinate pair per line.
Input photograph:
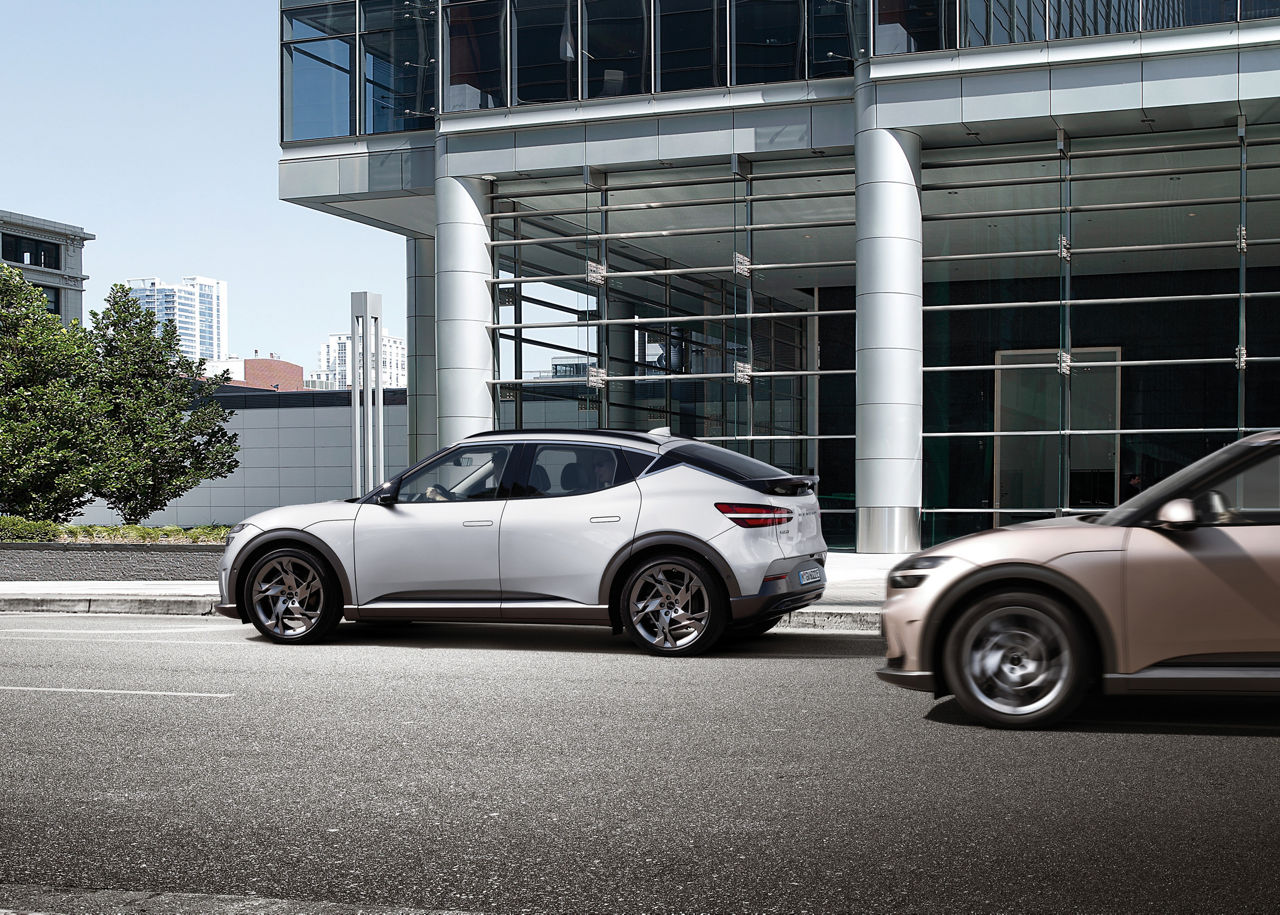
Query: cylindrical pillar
x,y
464,308
890,357
421,300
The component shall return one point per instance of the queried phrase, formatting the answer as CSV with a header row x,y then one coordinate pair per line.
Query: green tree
x,y
165,434
50,411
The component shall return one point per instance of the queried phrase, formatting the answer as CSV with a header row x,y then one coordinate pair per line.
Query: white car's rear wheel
x,y
673,605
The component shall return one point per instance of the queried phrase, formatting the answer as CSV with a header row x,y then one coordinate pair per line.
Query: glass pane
x,y
691,44
1178,396
388,14
1163,328
957,473
767,41
1150,457
1258,9
476,49
1078,18
617,45
831,31
471,473
318,88
840,529
974,337
939,527
1187,12
399,79
545,50
914,25
993,22
321,21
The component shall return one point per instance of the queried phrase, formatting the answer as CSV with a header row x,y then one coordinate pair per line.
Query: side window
x,y
1250,497
567,470
469,473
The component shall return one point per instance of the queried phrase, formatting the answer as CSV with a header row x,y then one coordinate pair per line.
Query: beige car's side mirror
x,y
1177,515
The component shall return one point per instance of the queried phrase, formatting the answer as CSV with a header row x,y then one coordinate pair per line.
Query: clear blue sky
x,y
154,125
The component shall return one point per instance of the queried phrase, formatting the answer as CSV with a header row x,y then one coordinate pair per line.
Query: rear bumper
x,y
784,593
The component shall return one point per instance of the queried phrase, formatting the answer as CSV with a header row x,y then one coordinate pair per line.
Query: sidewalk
x,y
855,590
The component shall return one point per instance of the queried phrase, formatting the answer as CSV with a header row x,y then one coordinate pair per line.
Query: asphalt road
x,y
512,769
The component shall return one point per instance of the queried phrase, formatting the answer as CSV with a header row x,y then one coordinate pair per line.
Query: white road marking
x,y
38,638
126,631
117,692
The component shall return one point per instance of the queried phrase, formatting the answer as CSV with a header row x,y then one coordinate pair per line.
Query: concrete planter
x,y
109,561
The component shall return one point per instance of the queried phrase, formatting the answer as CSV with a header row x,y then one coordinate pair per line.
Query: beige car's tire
x,y
1017,659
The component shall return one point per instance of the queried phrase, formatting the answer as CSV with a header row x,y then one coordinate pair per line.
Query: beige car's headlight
x,y
913,572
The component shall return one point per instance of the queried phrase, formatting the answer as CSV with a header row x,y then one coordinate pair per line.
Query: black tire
x,y
292,597
673,605
1017,659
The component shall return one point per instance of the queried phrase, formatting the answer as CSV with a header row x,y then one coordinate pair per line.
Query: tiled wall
x,y
288,455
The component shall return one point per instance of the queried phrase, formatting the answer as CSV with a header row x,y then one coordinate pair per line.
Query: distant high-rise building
x,y
335,363
197,305
49,254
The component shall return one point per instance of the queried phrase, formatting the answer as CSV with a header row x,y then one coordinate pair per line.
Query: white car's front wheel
x,y
673,605
291,596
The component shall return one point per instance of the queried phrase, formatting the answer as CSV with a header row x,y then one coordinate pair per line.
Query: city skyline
x,y
108,166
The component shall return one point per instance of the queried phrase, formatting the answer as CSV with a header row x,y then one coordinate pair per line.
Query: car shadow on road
x,y
1225,716
780,644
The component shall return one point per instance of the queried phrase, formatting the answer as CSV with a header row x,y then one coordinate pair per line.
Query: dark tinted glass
x,y
31,251
767,41
617,44
319,97
1078,18
691,44
992,22
831,31
54,295
320,21
914,25
545,52
720,461
1171,15
1258,9
567,470
476,49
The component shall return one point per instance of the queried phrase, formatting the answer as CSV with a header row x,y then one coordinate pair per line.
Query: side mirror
x,y
387,498
1177,515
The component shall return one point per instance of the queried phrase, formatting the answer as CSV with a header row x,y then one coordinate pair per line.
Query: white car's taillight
x,y
754,515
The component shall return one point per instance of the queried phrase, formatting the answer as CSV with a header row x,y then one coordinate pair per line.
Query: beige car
x,y
1175,591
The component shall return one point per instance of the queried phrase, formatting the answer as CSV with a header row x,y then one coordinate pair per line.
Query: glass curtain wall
x,y
1120,321
533,51
905,26
674,298
366,67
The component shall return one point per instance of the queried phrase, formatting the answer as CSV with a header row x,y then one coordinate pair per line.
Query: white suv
x,y
674,540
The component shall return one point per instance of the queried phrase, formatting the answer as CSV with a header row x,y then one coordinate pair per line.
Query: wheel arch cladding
x,y
282,539
1031,578
631,557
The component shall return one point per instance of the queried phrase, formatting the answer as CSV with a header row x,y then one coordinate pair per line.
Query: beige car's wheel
x,y
1017,660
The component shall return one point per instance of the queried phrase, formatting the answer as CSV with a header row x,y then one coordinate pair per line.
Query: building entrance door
x,y
1027,475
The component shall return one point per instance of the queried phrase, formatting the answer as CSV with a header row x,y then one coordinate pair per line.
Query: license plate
x,y
809,576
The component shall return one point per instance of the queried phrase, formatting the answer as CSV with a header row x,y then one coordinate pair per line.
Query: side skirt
x,y
1241,681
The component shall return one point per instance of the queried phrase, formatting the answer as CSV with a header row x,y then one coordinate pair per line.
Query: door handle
x,y
477,524
605,519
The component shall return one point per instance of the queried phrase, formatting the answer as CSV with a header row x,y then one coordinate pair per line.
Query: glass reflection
x,y
319,21
767,41
399,66
319,91
691,44
545,50
993,22
831,30
476,48
1169,14
617,45
1080,18
914,25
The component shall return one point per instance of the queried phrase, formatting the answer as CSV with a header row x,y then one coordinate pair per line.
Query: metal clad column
x,y
890,355
464,308
422,347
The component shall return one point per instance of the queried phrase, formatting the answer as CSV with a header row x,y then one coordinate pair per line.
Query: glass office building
x,y
970,262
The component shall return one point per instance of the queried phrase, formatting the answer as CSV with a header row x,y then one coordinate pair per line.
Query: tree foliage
x,y
165,434
50,407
